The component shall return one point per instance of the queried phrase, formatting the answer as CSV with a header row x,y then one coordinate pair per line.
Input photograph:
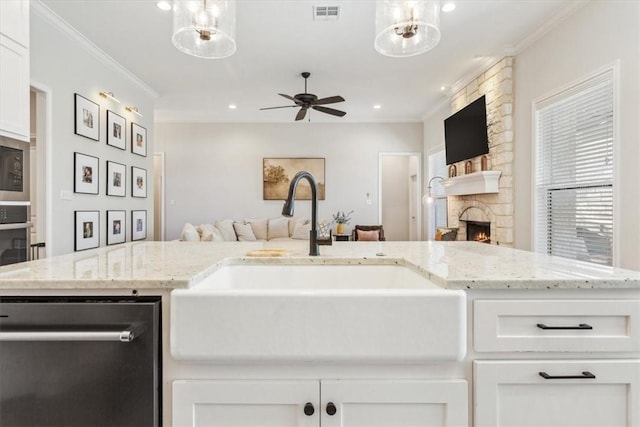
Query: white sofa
x,y
248,230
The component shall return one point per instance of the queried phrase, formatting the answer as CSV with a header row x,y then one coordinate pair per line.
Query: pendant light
x,y
205,28
406,28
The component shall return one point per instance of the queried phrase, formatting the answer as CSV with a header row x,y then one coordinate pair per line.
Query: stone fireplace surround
x,y
496,208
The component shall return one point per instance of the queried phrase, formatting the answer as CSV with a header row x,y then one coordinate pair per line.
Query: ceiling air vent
x,y
326,13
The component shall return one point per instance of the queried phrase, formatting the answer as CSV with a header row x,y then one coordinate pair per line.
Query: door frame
x,y
418,195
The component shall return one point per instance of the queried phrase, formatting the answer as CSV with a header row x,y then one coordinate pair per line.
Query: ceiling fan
x,y
308,100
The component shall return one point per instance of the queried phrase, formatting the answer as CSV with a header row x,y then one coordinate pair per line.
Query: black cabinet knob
x,y
331,408
309,409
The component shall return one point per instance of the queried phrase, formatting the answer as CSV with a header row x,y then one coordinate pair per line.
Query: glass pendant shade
x,y
406,28
205,28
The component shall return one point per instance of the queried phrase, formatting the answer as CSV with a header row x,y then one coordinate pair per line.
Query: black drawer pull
x,y
309,409
586,375
579,327
331,408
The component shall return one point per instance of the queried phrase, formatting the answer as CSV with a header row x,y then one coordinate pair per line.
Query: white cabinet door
x,y
391,403
14,69
516,394
245,403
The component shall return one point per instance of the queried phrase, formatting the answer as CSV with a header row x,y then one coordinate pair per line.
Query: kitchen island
x,y
524,328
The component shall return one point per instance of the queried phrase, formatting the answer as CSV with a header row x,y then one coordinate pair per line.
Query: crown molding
x,y
63,26
552,23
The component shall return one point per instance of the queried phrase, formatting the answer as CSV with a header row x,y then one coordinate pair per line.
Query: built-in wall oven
x,y
15,204
78,361
14,170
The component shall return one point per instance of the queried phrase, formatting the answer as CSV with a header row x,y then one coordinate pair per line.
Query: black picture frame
x,y
87,230
138,225
138,140
138,182
116,130
86,118
116,179
116,227
86,173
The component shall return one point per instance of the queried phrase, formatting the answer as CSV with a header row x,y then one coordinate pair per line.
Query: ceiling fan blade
x,y
290,97
301,114
331,111
284,106
329,100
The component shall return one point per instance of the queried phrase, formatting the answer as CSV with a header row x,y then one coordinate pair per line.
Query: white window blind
x,y
437,210
574,172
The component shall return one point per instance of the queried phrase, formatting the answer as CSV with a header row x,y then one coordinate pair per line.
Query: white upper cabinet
x,y
14,69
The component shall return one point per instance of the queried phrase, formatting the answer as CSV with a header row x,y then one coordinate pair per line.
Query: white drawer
x,y
557,325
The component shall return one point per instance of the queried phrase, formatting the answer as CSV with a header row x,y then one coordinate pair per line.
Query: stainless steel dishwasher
x,y
80,361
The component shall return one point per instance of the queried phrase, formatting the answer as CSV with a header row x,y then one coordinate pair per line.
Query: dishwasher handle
x,y
129,334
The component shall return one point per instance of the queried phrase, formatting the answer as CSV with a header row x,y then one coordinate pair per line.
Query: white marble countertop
x,y
168,265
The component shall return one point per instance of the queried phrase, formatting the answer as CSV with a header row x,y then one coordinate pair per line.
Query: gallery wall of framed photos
x,y
111,169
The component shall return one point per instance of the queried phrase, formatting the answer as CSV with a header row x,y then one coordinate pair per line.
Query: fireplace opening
x,y
479,231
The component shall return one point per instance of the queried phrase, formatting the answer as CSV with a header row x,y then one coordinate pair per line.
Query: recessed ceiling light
x,y
377,107
232,106
448,6
164,5
443,88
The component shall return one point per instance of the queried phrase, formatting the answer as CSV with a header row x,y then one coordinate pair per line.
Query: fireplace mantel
x,y
474,183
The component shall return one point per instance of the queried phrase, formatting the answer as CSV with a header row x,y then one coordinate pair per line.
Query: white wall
x,y
395,196
214,171
65,65
598,35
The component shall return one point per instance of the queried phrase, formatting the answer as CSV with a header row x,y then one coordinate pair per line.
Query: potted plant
x,y
341,219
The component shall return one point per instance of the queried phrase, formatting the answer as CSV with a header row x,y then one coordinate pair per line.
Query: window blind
x,y
574,172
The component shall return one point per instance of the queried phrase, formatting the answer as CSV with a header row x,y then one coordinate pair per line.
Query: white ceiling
x,y
279,39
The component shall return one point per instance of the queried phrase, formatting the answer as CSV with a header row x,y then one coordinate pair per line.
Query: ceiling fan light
x,y
406,28
205,28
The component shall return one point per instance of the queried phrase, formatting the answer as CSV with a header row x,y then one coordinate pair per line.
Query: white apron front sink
x,y
275,312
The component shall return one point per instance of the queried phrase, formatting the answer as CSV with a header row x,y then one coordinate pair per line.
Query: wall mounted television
x,y
465,132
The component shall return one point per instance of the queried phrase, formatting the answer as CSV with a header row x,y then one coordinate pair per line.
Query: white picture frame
x,y
116,179
138,225
87,230
138,182
86,118
138,140
86,173
116,130
116,227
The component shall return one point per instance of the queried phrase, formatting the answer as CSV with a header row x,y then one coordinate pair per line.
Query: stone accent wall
x,y
497,84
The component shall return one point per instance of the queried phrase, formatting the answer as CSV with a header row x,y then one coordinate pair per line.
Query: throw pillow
x,y
189,233
278,227
368,236
210,233
301,230
227,230
244,232
446,233
259,227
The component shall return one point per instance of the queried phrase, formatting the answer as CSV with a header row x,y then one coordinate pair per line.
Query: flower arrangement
x,y
341,218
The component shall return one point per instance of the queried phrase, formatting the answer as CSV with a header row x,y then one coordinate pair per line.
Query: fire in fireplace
x,y
479,231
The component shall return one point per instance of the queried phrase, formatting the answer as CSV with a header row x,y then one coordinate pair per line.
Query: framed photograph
x,y
116,179
138,140
85,171
116,130
87,118
277,173
138,225
87,229
116,227
138,182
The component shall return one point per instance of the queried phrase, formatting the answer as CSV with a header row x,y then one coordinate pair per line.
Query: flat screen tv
x,y
465,132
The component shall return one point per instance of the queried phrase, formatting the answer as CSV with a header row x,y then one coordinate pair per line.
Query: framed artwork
x,y
116,227
116,179
138,182
85,174
87,118
138,140
277,174
116,130
138,225
87,230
